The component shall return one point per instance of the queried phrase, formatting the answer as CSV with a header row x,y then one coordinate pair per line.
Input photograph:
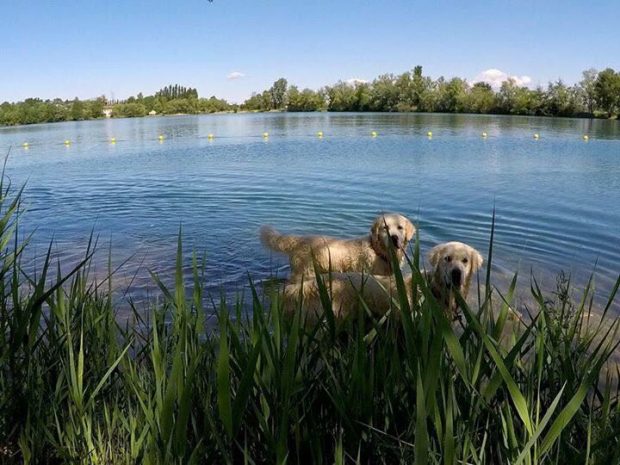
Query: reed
x,y
78,386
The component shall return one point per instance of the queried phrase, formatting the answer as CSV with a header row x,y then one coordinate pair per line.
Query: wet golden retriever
x,y
369,253
453,265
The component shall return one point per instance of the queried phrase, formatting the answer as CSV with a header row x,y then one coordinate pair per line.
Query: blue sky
x,y
71,48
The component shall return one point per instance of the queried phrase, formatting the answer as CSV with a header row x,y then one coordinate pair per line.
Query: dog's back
x,y
279,242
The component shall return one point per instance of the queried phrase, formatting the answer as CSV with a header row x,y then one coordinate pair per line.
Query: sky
x,y
231,48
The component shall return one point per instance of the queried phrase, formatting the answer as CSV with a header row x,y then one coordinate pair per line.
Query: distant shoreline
x,y
596,96
245,112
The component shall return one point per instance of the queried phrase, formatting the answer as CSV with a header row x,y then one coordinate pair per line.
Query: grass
x,y
77,386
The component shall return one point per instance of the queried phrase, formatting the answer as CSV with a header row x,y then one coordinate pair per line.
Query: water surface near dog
x,y
557,198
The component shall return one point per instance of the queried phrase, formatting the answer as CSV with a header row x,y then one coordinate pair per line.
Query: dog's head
x,y
391,229
454,264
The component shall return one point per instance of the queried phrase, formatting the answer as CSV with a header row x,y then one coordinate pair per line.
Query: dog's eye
x,y
400,228
465,260
448,258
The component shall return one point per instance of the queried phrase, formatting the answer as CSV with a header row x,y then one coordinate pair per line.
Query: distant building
x,y
152,113
107,112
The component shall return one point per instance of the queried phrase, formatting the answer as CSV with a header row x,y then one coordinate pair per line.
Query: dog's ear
x,y
375,230
476,259
409,230
434,255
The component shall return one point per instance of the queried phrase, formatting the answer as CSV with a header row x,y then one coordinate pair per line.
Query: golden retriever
x,y
369,253
453,265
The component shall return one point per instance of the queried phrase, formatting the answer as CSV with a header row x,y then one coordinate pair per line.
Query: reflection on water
x,y
556,198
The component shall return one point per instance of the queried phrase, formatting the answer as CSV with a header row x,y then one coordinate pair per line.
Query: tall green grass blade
x,y
224,402
421,431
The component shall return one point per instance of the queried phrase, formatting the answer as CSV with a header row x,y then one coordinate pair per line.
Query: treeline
x,y
164,103
172,99
34,110
597,94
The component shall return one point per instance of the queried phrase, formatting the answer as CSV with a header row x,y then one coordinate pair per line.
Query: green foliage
x,y
607,91
172,99
32,111
480,99
278,94
413,92
78,386
598,94
129,110
306,100
176,91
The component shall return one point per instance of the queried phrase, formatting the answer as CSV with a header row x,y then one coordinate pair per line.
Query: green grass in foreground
x,y
78,387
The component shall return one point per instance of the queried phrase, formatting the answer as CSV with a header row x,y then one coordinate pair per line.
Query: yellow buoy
x,y
536,136
265,135
319,134
484,134
67,142
161,137
210,136
429,134
374,133
113,140
25,145
586,137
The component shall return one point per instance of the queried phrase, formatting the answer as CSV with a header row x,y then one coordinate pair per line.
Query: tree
x,y
587,85
451,95
278,94
560,100
77,110
384,93
607,91
479,99
175,91
129,110
515,100
342,97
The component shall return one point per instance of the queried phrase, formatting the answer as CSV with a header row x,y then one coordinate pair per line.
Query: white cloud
x,y
235,75
495,77
355,81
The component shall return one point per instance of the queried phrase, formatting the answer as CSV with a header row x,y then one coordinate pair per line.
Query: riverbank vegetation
x,y
596,95
220,382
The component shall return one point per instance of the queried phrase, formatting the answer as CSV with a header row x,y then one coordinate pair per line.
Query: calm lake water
x,y
557,198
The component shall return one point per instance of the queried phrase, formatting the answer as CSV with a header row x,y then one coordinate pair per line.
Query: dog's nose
x,y
395,240
456,276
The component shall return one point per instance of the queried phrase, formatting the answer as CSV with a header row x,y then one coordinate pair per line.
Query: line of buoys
x,y
319,134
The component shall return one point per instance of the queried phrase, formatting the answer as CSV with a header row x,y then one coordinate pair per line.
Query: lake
x,y
557,198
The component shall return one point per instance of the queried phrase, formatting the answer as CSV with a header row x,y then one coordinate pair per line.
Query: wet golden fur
x,y
369,253
346,290
453,265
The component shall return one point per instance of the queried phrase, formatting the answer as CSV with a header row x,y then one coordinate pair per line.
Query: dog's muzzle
x,y
456,277
395,241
